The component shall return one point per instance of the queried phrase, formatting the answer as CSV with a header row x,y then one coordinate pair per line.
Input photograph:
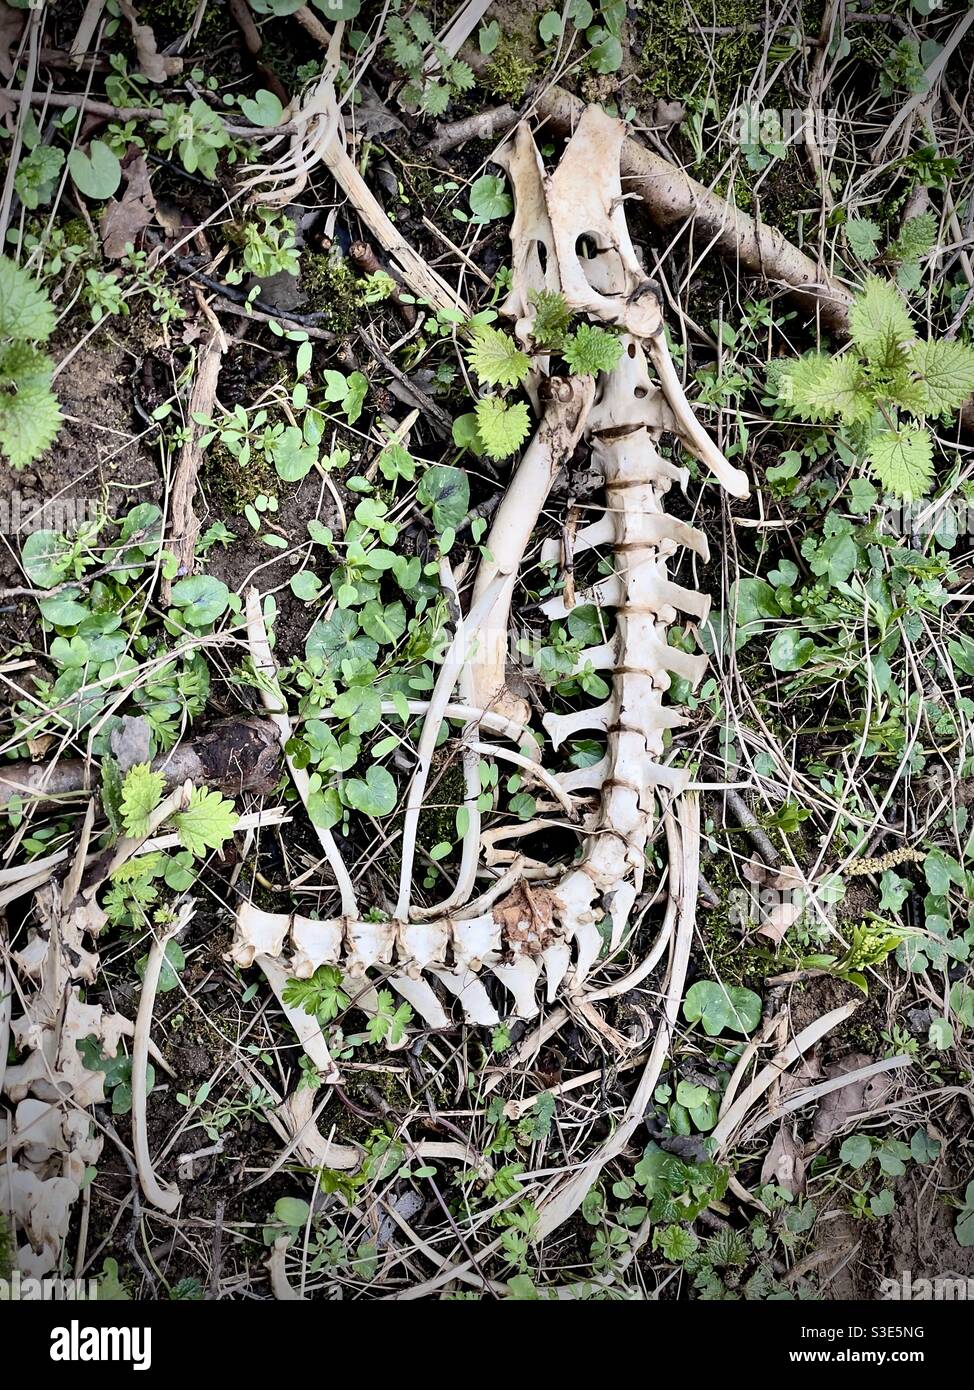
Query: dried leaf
x,y
152,64
124,218
837,1108
11,27
784,1163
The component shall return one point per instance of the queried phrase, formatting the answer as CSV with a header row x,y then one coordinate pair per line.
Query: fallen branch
x,y
185,522
233,755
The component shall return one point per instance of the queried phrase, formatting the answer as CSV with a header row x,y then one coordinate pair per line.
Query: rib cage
x,y
552,930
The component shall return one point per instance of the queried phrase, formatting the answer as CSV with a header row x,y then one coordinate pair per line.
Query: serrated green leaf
x,y
503,428
863,237
496,357
916,238
141,794
435,98
29,423
208,821
946,374
902,461
592,350
818,387
879,321
25,310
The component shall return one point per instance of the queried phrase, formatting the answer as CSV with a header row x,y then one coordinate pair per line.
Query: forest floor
x,y
339,465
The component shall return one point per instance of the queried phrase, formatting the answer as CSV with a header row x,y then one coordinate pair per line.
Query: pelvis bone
x,y
569,235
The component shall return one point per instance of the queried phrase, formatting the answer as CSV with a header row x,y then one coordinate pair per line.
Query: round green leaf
x,y
375,796
489,198
96,174
292,1211
201,599
337,639
305,586
856,1151
263,109
446,492
550,26
790,650
722,1008
44,559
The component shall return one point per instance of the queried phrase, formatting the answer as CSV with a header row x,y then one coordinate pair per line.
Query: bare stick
x,y
185,522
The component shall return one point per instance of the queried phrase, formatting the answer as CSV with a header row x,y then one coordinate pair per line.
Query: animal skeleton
x,y
516,930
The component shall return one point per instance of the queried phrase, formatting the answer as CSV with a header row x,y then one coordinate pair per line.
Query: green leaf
x,y
818,387
790,651
964,1228
25,310
923,1148
902,461
208,821
489,37
386,623
549,26
496,358
435,98
263,109
941,1035
96,174
337,639
856,1151
489,198
292,1211
375,796
917,237
45,559
551,319
883,1203
445,492
141,794
30,419
358,389
592,350
720,1008
305,586
173,961
293,458
946,373
879,321
503,428
863,237
201,599
606,52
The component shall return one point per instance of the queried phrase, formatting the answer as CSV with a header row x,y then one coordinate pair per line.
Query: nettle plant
x,y
500,427
884,389
428,91
29,413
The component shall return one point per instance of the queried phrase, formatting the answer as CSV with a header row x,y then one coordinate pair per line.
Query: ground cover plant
x,y
486,566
